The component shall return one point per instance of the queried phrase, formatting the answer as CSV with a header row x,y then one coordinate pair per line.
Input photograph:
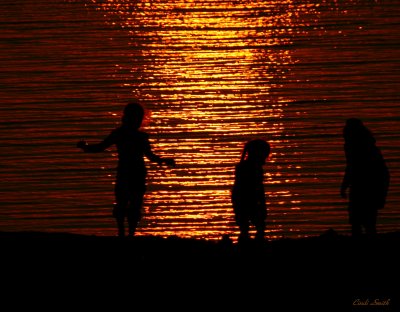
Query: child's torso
x,y
131,145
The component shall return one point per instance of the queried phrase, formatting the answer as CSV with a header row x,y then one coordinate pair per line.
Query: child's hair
x,y
133,115
255,146
356,132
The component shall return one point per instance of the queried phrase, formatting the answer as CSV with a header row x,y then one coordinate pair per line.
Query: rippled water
x,y
212,74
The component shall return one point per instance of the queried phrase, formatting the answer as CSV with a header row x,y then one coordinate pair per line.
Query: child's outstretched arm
x,y
96,148
155,158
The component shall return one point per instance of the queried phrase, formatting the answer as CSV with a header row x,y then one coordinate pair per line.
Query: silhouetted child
x,y
132,146
366,176
248,196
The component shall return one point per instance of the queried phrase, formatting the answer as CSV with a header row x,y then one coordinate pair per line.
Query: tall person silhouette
x,y
366,176
132,145
248,196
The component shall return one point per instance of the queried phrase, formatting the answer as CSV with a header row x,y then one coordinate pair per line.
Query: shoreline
x,y
328,242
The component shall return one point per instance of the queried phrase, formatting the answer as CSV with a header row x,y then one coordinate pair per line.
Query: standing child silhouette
x,y
366,176
248,196
132,146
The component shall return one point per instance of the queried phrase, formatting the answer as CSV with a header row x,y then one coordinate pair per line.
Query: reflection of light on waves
x,y
207,77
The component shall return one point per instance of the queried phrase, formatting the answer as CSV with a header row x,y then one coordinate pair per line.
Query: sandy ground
x,y
325,273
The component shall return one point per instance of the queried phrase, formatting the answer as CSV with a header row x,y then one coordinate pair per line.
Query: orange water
x,y
213,74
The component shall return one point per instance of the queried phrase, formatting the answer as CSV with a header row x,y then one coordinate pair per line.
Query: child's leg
x,y
356,229
258,219
260,228
242,220
370,223
134,211
244,231
119,215
356,216
370,230
119,210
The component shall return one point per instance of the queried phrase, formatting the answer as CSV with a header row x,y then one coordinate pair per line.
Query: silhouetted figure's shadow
x,y
366,176
132,146
248,196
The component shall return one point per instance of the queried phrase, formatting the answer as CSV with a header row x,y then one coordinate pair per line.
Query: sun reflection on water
x,y
206,70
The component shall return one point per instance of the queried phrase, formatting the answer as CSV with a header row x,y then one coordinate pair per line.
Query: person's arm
x,y
99,147
155,158
344,186
261,196
385,177
346,178
259,186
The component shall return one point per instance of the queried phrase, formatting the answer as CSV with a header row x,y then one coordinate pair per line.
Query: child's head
x,y
355,132
133,115
256,151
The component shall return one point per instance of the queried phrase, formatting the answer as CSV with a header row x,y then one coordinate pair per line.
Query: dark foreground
x,y
326,273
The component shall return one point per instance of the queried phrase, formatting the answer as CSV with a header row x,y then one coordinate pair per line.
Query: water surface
x,y
212,74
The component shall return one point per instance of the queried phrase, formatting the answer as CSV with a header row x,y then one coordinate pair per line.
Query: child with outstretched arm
x,y
132,145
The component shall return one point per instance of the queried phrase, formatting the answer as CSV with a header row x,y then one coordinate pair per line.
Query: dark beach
x,y
330,269
148,248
